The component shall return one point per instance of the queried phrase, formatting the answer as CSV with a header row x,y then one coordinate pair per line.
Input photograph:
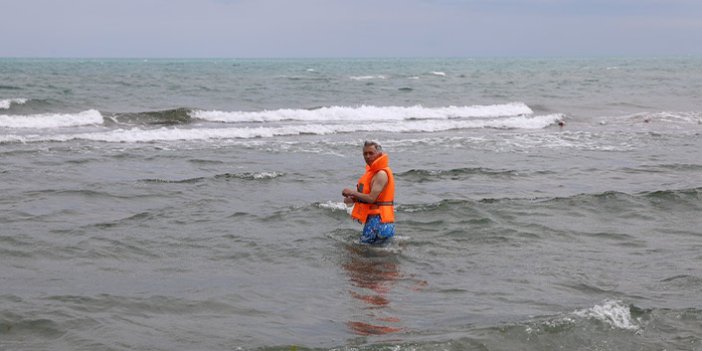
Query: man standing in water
x,y
374,196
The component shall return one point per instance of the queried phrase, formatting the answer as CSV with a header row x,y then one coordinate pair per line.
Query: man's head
x,y
371,151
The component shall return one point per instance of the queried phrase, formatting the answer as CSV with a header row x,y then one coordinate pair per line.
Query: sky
x,y
349,28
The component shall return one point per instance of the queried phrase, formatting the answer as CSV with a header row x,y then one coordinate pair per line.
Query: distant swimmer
x,y
373,199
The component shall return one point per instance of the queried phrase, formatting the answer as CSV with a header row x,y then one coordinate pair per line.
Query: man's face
x,y
370,154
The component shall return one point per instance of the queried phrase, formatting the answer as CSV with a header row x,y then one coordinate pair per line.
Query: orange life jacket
x,y
384,205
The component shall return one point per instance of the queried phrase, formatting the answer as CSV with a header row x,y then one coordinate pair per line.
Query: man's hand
x,y
348,192
378,183
349,200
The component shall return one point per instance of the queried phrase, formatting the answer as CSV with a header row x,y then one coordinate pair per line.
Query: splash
x,y
613,313
6,103
366,113
52,120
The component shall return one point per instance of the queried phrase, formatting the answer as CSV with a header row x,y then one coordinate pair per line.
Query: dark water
x,y
195,205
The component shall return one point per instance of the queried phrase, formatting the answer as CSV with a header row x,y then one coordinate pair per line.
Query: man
x,y
374,196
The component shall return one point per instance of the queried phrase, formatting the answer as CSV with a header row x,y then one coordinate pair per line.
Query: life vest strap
x,y
379,203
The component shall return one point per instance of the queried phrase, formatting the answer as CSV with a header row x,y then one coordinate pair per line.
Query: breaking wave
x,y
366,113
613,313
166,117
241,176
51,120
137,134
6,103
425,175
690,197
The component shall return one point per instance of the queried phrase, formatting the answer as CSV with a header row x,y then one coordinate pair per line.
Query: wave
x,y
51,120
609,325
151,304
612,323
667,117
334,206
17,326
136,134
9,87
366,113
691,196
423,175
656,118
243,176
663,168
165,117
6,103
614,313
367,77
330,120
92,117
683,281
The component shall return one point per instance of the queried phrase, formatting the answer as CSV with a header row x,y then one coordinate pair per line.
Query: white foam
x,y
266,175
12,139
380,76
6,103
335,206
136,135
612,312
46,121
670,117
366,113
521,122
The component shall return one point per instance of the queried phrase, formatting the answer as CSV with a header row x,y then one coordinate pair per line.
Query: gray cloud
x,y
336,28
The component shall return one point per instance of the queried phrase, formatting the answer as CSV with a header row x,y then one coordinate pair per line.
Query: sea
x,y
195,204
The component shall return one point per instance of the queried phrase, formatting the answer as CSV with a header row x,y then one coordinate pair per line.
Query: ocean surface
x,y
542,204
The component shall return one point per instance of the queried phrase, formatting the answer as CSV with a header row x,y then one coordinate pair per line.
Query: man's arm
x,y
380,180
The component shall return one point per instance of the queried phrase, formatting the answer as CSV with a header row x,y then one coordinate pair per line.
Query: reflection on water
x,y
372,273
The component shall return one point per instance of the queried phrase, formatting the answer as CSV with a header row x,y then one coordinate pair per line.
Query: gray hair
x,y
373,143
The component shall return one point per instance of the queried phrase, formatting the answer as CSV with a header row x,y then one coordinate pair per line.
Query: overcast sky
x,y
349,28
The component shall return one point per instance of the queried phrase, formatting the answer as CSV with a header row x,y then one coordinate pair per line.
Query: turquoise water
x,y
195,204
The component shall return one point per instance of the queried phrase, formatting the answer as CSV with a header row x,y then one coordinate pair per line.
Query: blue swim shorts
x,y
375,232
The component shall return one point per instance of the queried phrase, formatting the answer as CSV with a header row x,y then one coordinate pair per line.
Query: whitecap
x,y
366,113
266,175
367,77
6,103
137,135
612,312
46,121
335,206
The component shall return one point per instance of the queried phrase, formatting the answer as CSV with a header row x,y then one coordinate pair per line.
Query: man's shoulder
x,y
382,174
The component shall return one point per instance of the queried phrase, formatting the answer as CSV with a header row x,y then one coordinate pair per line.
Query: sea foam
x,y
367,77
335,206
136,135
6,103
612,312
366,113
47,121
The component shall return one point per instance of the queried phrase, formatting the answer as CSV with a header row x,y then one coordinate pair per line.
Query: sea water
x,y
196,204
